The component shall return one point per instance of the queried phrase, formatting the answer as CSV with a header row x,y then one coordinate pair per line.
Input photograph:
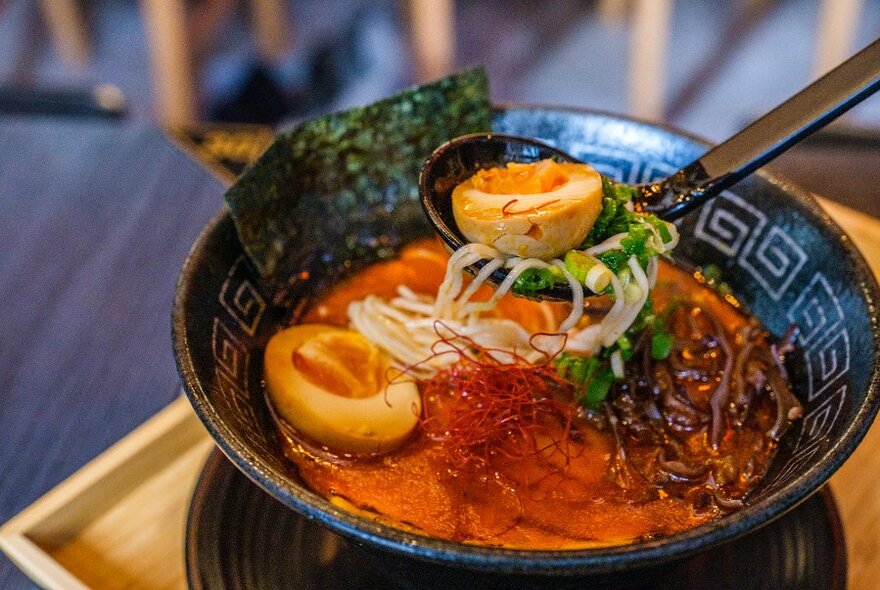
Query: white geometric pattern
x,y
815,429
728,222
237,320
240,297
231,356
239,400
775,262
826,361
801,461
816,426
816,311
616,164
655,171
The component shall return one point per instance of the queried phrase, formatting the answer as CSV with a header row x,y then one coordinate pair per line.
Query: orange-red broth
x,y
533,501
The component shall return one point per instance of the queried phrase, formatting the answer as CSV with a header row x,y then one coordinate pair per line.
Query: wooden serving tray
x,y
119,522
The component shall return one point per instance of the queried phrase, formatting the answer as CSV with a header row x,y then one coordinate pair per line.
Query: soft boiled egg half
x,y
332,385
537,210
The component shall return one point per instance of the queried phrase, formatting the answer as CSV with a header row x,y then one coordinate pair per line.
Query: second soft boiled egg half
x,y
538,210
331,385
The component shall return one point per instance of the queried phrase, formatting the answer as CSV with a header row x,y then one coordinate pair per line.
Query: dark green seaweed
x,y
359,165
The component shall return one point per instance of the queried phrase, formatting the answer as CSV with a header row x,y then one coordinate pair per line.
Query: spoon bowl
x,y
457,160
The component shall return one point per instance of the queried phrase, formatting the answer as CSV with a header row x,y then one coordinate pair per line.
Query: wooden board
x,y
855,484
119,522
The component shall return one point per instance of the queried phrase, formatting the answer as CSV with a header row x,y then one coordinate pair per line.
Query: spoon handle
x,y
804,113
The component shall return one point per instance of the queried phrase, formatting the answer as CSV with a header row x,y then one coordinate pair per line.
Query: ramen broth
x,y
655,461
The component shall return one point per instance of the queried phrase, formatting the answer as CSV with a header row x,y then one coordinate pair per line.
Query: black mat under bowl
x,y
240,537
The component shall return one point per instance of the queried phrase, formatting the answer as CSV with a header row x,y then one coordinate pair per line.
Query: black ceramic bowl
x,y
780,253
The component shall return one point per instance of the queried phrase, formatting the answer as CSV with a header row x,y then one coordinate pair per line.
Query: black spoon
x,y
717,170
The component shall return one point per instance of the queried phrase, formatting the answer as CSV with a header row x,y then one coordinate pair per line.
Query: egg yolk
x,y
343,363
523,179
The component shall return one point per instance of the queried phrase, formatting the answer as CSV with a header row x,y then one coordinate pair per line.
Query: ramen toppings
x,y
453,409
516,429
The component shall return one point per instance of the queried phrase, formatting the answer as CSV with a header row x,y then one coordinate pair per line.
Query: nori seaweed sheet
x,y
349,177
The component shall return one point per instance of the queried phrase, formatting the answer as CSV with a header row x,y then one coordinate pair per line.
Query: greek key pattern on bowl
x,y
617,165
826,361
739,230
816,425
815,429
231,355
240,298
736,228
816,310
774,262
621,165
239,315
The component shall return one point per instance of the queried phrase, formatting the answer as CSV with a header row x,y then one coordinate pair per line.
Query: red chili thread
x,y
505,212
480,407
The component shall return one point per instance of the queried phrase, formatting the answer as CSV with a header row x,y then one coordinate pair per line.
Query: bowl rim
x,y
573,561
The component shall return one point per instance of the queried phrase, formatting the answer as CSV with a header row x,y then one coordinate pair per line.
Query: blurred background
x,y
707,67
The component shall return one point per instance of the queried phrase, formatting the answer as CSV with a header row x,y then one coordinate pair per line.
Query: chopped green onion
x,y
624,345
532,280
635,243
598,388
617,364
558,275
591,376
712,273
598,278
614,217
661,345
661,226
578,263
632,292
582,371
588,270
615,260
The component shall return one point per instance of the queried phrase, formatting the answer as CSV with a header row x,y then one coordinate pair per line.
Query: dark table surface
x,y
95,221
